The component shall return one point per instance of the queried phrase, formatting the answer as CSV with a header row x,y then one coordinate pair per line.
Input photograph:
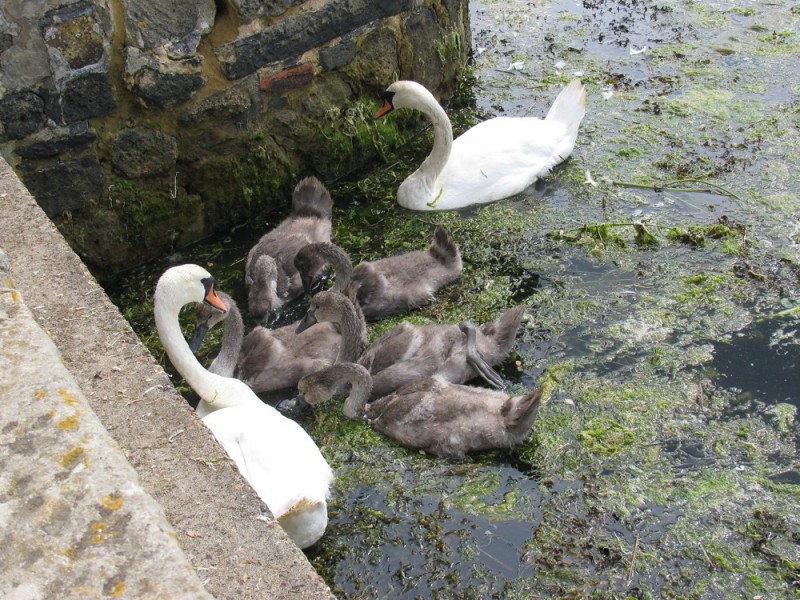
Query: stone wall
x,y
142,125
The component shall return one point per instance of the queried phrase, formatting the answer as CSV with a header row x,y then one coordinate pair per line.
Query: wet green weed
x,y
673,229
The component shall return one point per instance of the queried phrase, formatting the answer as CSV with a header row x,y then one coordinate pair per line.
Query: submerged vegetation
x,y
648,472
347,138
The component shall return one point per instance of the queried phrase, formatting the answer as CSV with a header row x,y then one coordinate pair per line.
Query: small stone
x,y
289,79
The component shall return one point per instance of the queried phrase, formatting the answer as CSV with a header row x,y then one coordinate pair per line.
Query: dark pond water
x,y
762,362
665,461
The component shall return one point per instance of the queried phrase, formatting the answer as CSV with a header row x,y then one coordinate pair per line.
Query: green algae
x,y
260,175
347,138
644,475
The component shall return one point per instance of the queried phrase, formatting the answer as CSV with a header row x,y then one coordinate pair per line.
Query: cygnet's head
x,y
264,287
206,318
327,306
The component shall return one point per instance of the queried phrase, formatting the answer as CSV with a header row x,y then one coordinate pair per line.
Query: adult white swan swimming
x,y
275,454
494,159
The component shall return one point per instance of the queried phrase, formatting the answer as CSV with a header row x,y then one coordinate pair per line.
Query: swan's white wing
x,y
499,158
276,456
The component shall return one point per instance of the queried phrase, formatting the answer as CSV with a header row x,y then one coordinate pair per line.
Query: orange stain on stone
x,y
111,502
68,397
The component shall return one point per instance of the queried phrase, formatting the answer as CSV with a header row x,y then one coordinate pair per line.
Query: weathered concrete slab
x,y
238,551
75,522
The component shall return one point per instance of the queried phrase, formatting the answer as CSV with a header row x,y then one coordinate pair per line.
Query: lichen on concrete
x,y
64,477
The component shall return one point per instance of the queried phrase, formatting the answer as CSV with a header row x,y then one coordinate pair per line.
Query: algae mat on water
x,y
661,270
670,238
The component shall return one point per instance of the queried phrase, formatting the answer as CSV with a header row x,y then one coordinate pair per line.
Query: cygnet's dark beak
x,y
293,407
271,319
308,284
197,337
307,322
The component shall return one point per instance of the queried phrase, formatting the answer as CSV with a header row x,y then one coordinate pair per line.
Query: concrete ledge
x,y
76,523
237,549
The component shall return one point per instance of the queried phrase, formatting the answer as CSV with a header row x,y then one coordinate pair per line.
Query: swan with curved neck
x,y
177,287
435,415
274,454
494,159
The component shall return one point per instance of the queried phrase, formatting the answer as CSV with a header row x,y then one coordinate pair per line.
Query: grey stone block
x,y
249,10
140,152
226,105
177,25
22,114
56,140
294,35
85,97
73,36
64,185
167,89
424,32
337,55
161,81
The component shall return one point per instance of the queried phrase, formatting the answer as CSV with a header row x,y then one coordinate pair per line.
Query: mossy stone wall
x,y
141,127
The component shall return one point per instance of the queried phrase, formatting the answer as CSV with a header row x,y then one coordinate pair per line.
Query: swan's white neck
x,y
180,355
420,187
215,391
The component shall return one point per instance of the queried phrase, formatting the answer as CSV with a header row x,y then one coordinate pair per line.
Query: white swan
x,y
493,160
275,454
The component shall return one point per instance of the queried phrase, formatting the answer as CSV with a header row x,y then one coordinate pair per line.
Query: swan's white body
x,y
276,456
281,462
493,160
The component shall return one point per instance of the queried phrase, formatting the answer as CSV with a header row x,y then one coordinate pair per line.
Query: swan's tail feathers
x,y
519,412
569,106
305,522
444,248
311,199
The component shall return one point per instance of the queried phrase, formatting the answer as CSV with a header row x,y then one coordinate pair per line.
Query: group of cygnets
x,y
410,383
